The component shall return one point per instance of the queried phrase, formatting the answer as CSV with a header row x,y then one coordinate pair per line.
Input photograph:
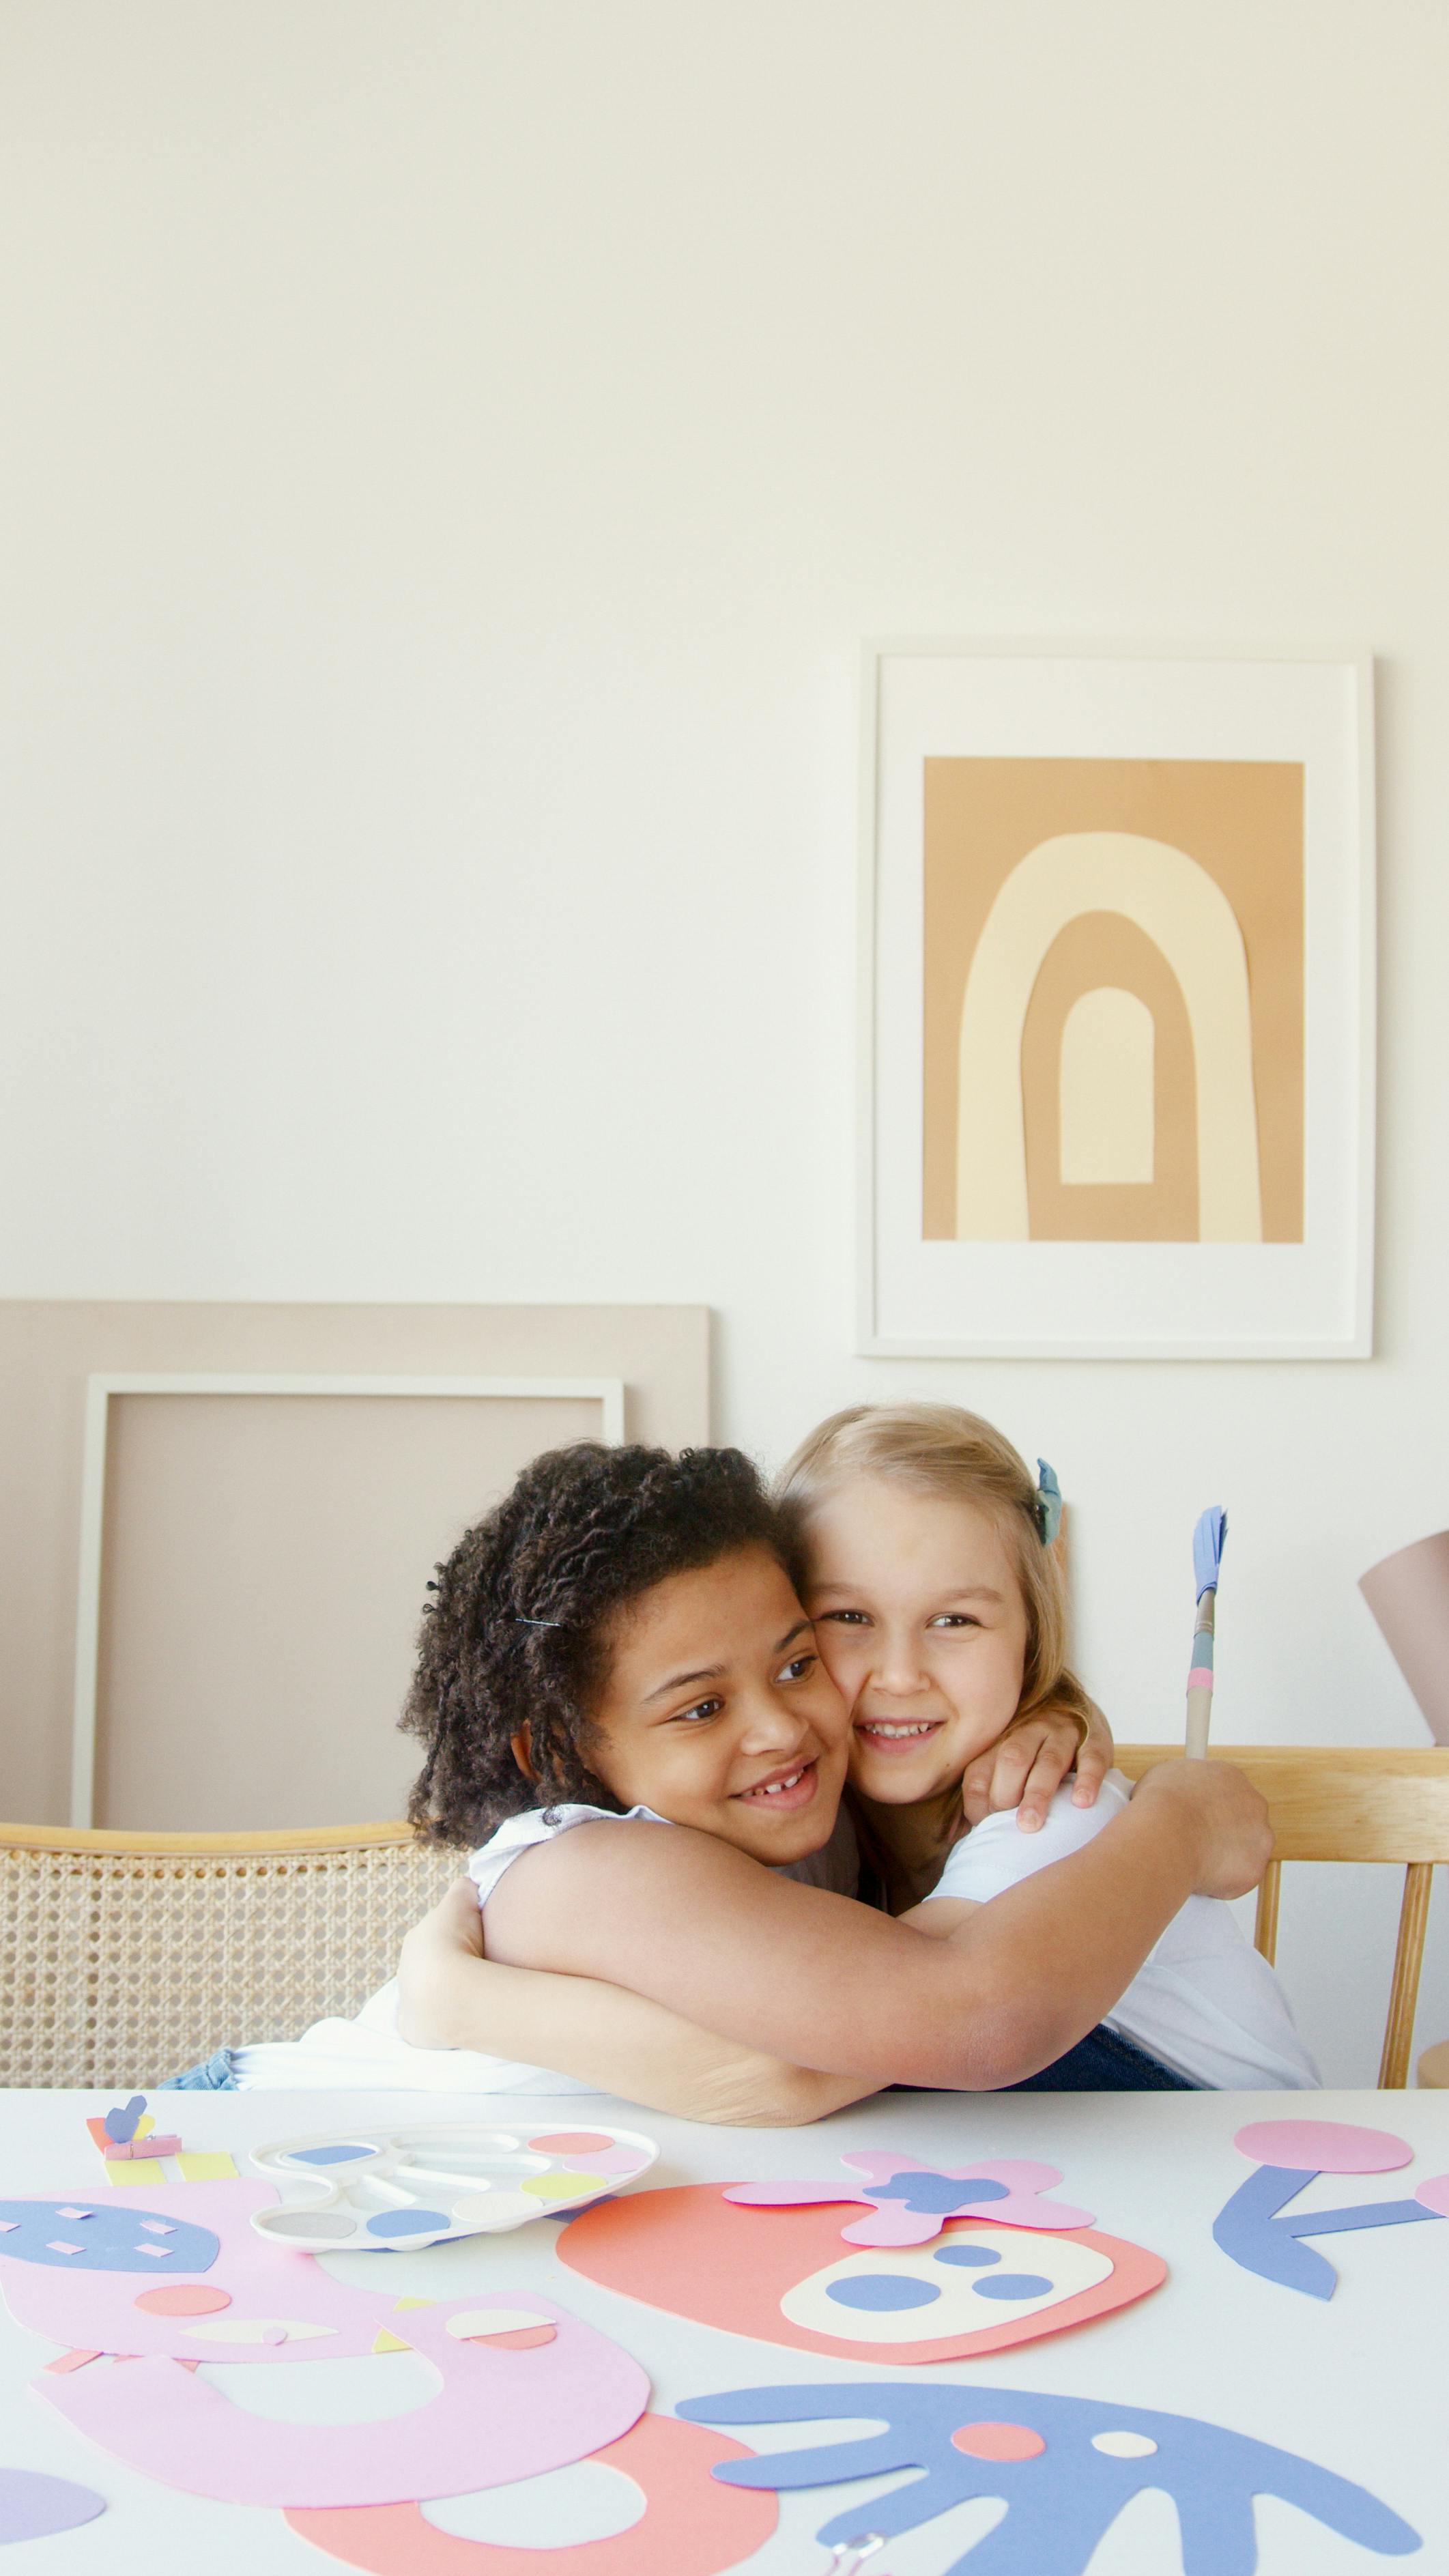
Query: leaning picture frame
x,y
1117,1002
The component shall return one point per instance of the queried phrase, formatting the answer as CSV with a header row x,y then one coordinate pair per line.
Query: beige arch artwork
x,y
1187,915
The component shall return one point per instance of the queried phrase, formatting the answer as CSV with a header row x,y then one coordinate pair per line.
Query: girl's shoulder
x,y
518,1834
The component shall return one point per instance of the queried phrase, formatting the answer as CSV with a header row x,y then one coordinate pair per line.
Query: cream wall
x,y
454,451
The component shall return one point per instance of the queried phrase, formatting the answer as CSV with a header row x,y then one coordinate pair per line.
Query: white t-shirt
x,y
1204,2002
368,2056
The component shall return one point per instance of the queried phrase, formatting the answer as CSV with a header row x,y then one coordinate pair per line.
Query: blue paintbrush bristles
x,y
1207,1548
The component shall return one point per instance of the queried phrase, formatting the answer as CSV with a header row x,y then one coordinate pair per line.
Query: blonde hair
x,y
942,1450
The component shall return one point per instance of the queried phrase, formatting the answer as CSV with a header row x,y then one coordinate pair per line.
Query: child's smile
x,y
919,1615
719,1712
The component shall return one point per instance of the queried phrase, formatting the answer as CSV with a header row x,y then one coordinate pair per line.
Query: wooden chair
x,y
125,1958
1359,1803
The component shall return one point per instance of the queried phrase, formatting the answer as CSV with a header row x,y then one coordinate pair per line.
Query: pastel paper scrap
x,y
910,2201
73,2213
1323,2146
207,2166
152,2226
499,2415
34,2507
1046,2456
1252,2232
142,2176
109,2245
691,2526
121,2123
1434,2194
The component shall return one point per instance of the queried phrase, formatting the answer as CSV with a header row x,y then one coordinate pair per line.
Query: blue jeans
x,y
216,2074
1105,2062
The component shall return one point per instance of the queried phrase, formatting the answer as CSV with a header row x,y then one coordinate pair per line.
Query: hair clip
x,y
1048,1502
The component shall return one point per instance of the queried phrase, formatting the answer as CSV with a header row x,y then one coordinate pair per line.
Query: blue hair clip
x,y
1048,1502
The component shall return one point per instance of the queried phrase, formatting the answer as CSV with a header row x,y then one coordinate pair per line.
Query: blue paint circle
x,y
330,2155
969,2258
407,2222
935,2194
1012,2285
881,2291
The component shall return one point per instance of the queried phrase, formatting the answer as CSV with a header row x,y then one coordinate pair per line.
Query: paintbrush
x,y
1207,1557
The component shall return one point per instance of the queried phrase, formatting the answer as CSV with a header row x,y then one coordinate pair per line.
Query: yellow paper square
x,y
206,2168
125,2169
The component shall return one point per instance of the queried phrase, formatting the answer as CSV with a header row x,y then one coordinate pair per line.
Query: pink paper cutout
x,y
150,2226
69,2213
693,2524
1434,2194
891,2223
87,2309
1322,2146
8,2226
157,2253
58,2245
498,2416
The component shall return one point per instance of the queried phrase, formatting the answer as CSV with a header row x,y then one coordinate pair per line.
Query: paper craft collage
x,y
879,2260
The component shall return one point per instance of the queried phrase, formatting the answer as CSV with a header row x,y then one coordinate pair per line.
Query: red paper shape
x,y
694,2254
692,2526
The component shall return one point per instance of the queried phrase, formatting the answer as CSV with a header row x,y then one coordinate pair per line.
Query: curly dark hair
x,y
517,1631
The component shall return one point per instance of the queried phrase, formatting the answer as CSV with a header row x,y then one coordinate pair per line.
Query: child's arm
x,y
815,1980
1027,1764
604,2036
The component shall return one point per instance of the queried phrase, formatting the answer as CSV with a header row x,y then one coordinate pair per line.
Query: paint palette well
x,y
375,2191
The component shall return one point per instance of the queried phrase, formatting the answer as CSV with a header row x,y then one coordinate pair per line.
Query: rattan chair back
x,y
125,1958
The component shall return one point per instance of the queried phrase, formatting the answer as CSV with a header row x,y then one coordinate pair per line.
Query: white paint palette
x,y
377,2191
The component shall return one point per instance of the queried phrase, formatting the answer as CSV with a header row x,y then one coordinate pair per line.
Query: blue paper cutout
x,y
121,2125
113,2240
881,2290
1059,2504
966,2258
1251,2232
406,2222
1012,2285
937,2192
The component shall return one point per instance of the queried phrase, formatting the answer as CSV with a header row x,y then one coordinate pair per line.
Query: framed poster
x,y
1117,1006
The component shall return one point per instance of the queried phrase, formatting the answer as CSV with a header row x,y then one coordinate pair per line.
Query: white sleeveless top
x,y
367,2054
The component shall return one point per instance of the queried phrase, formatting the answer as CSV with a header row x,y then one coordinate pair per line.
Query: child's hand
x,y
428,1963
1026,1766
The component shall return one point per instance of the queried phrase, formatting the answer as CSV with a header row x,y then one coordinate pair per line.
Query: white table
x,y
1360,2384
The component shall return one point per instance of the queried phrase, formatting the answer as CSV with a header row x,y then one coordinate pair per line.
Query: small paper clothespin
x,y
851,2555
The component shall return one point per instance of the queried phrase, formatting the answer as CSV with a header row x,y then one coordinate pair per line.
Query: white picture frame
x,y
1306,1297
607,1392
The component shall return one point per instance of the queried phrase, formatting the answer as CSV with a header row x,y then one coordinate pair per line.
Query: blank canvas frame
x,y
607,1392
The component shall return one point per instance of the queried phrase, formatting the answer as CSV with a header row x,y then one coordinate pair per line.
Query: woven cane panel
x,y
126,1968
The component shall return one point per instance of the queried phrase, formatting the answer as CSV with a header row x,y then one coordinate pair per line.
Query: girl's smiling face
x,y
920,1619
719,1711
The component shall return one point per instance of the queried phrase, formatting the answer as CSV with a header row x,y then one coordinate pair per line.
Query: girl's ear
x,y
521,1745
